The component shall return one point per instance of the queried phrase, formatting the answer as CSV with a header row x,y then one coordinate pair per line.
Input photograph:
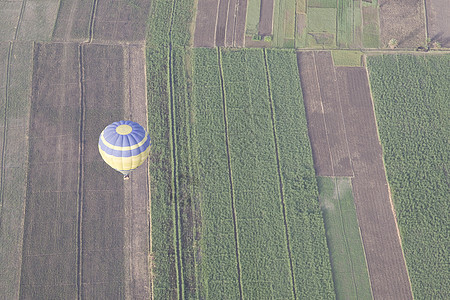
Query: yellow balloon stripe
x,y
124,163
111,146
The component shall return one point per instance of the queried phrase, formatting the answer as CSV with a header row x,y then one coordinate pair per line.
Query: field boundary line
x,y
227,144
323,112
173,137
80,177
19,21
92,21
280,176
391,202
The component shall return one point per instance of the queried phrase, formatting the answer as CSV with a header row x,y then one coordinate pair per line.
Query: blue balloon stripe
x,y
124,153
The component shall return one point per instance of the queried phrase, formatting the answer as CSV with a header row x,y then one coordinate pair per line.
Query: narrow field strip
x,y
172,246
219,277
310,260
82,116
227,143
15,94
279,172
256,188
350,274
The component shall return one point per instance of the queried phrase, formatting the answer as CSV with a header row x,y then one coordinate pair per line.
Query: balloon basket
x,y
126,177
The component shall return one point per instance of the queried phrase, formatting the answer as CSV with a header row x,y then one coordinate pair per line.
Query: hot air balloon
x,y
124,145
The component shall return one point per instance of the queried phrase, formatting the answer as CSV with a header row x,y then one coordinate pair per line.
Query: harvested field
x,y
387,269
324,113
404,21
438,25
349,125
220,23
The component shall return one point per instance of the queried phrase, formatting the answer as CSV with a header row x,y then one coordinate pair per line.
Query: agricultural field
x,y
414,131
252,149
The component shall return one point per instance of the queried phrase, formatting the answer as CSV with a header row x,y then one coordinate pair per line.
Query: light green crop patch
x,y
348,262
347,58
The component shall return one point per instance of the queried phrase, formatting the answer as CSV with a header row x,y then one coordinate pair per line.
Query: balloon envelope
x,y
124,145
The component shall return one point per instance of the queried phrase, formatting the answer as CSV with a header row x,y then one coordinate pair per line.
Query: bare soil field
x,y
220,23
265,27
438,25
344,141
324,114
49,266
386,264
15,95
86,230
404,21
121,20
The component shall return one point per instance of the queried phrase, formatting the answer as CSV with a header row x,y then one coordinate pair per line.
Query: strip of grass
x,y
345,23
311,265
252,21
411,96
262,238
350,273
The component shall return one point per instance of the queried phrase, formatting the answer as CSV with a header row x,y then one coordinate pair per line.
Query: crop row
x,y
411,96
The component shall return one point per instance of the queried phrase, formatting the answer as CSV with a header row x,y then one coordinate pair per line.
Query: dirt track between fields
x,y
341,125
220,23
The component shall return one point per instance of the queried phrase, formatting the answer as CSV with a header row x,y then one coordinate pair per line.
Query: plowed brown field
x,y
220,23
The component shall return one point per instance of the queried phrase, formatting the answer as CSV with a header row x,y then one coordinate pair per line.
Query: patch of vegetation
x,y
348,262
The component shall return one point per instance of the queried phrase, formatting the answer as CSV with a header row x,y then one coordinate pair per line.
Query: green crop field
x,y
348,262
411,97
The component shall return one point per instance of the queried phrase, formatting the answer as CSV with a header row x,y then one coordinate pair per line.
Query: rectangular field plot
x,y
348,262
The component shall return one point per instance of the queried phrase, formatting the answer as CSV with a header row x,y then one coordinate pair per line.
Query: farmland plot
x,y
85,233
410,31
49,263
438,26
346,122
385,260
15,94
412,108
220,23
